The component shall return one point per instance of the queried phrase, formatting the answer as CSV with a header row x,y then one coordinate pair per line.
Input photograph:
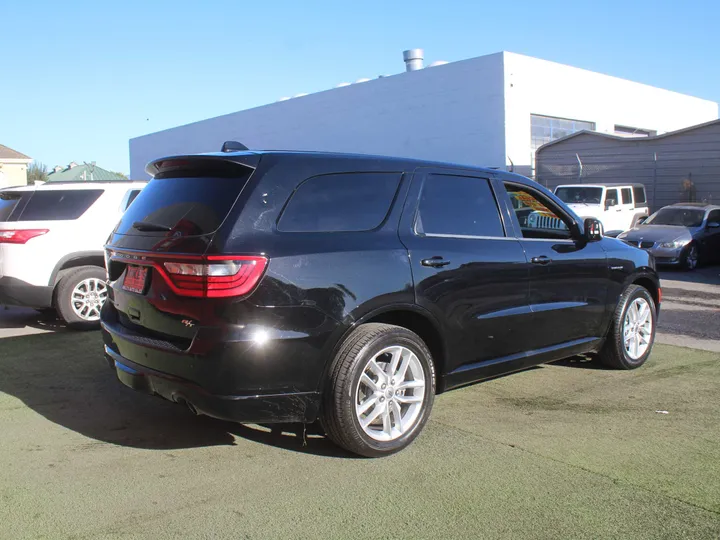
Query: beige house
x,y
13,167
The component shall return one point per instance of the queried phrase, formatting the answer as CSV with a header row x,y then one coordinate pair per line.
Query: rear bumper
x,y
252,409
16,292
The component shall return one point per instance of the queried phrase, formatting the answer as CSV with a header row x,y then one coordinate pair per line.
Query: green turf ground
x,y
563,451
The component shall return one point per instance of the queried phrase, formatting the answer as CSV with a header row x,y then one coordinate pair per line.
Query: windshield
x,y
681,217
588,195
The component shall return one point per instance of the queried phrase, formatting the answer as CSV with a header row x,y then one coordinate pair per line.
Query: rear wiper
x,y
146,226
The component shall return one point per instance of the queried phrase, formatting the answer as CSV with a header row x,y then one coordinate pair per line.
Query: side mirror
x,y
713,225
641,220
609,203
593,229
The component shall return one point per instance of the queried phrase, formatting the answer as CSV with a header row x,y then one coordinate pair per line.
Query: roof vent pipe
x,y
413,59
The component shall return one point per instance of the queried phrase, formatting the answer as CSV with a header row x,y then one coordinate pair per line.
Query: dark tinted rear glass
x,y
639,195
458,206
188,206
626,195
8,202
58,205
340,202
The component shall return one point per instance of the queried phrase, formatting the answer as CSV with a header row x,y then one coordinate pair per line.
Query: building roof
x,y
628,139
9,153
82,173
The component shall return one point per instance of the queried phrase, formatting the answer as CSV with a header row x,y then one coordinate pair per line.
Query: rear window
x,y
340,202
626,195
59,205
187,206
639,195
8,202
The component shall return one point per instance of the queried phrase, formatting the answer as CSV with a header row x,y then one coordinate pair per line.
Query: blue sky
x,y
91,75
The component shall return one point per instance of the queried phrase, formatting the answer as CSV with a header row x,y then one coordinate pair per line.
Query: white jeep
x,y
617,206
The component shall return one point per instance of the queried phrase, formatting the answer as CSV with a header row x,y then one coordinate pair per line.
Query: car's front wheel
x,y
632,332
80,296
380,390
690,257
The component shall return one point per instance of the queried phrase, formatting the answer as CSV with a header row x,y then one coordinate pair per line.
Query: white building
x,y
491,111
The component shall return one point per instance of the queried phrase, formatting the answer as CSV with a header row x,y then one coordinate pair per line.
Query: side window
x,y
340,202
56,204
131,197
538,216
458,206
611,198
714,216
639,195
626,195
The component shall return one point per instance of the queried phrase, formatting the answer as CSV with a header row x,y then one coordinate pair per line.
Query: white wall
x,y
452,112
13,172
534,86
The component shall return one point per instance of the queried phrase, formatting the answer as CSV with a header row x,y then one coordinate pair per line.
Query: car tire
x,y
364,405
617,352
81,312
690,258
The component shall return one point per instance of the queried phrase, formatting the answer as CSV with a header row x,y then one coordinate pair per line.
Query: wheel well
x,y
650,285
423,327
84,260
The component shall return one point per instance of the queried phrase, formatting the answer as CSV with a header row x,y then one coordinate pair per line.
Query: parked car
x,y
51,245
268,287
617,206
684,234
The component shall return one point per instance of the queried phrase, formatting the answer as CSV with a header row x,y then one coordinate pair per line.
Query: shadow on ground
x,y
65,378
30,318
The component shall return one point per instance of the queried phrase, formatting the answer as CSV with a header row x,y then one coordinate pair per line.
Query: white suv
x,y
51,245
617,206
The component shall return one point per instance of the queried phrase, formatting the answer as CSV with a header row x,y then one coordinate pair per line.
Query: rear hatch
x,y
165,287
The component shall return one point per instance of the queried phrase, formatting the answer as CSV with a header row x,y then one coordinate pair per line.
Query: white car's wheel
x,y
80,296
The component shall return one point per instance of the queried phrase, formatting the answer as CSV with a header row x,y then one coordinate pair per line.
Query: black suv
x,y
276,286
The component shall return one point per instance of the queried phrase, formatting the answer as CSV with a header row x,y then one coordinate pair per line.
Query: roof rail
x,y
233,146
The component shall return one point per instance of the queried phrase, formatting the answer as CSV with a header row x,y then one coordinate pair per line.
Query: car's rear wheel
x,y
632,332
80,296
690,257
380,390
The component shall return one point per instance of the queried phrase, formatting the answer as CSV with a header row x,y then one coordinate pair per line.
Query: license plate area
x,y
135,279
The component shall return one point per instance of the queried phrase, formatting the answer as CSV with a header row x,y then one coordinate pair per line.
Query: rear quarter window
x,y
9,202
56,205
340,203
639,195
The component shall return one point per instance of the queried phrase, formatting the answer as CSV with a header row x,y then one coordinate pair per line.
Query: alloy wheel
x,y
637,328
390,394
88,297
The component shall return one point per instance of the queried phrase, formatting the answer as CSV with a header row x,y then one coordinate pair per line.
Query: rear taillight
x,y
215,276
20,236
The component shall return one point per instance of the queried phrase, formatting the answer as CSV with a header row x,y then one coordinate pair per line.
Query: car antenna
x,y
233,146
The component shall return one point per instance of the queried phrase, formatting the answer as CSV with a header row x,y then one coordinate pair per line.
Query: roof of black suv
x,y
396,161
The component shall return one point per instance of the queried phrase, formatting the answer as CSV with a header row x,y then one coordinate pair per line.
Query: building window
x,y
544,129
627,131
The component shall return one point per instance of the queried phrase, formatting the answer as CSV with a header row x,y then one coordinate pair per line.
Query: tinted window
x,y
589,195
133,194
340,202
626,195
8,202
188,206
713,217
611,195
458,205
538,216
682,217
639,195
59,204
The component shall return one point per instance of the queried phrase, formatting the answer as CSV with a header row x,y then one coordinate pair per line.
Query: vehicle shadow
x,y
582,362
30,318
65,378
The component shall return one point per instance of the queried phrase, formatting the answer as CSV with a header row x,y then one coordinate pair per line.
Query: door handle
x,y
435,262
542,259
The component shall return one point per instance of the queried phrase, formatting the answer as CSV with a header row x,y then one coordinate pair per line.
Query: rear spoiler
x,y
203,164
